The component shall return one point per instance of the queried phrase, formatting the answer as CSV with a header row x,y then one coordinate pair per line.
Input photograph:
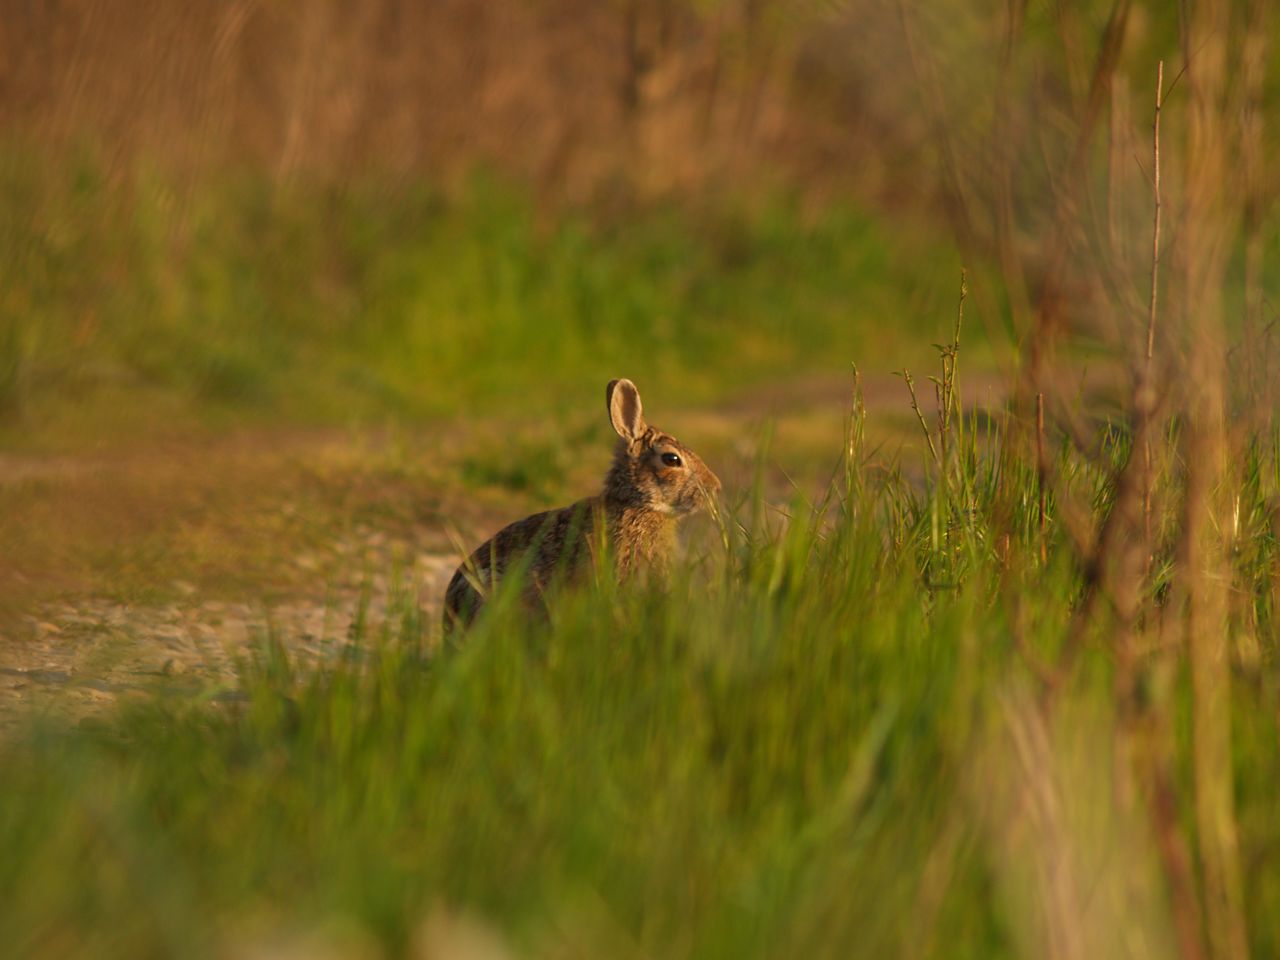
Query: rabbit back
x,y
552,545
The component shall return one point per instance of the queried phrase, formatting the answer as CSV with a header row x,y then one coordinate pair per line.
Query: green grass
x,y
239,299
825,739
830,736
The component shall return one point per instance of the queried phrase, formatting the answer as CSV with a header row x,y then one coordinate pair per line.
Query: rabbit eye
x,y
671,459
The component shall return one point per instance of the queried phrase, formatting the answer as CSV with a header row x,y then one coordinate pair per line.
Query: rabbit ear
x,y
623,400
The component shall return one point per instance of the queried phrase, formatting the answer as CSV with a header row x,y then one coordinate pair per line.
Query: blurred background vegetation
x,y
330,210
294,295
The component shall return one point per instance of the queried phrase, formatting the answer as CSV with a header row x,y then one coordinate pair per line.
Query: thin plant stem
x,y
1146,387
1040,459
915,405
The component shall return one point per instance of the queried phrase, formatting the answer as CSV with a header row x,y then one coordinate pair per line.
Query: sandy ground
x,y
158,568
69,656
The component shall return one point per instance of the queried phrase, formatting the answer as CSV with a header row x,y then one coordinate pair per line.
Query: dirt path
x,y
71,655
158,567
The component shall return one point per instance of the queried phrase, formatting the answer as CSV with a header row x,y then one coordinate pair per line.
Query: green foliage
x,y
379,299
808,745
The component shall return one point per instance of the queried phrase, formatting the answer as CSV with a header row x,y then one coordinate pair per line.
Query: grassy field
x,y
204,386
990,669
824,742
998,690
886,723
143,304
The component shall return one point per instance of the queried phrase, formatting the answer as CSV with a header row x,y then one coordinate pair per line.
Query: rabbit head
x,y
652,470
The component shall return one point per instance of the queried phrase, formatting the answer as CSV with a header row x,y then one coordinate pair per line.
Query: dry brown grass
x,y
579,98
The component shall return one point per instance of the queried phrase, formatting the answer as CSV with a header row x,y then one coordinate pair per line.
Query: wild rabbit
x,y
654,481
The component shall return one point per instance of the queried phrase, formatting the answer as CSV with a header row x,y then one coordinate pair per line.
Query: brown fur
x,y
635,515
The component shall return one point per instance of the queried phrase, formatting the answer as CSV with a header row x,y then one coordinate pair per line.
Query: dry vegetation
x,y
583,99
